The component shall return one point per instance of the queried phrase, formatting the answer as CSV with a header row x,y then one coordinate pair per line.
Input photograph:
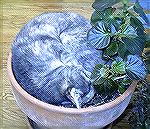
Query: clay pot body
x,y
54,117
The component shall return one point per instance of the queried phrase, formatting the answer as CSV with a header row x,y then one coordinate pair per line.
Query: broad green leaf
x,y
98,36
105,15
107,87
112,49
118,67
108,17
147,44
95,70
124,83
128,31
134,45
135,68
102,4
139,10
96,16
137,24
99,74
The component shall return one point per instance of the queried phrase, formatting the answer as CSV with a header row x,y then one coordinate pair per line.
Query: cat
x,y
52,60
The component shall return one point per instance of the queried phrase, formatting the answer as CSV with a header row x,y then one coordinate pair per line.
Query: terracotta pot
x,y
55,117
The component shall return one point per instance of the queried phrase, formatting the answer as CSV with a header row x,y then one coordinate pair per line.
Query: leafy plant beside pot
x,y
121,37
139,107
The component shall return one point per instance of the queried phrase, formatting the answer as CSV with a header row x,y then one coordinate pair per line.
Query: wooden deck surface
x,y
14,15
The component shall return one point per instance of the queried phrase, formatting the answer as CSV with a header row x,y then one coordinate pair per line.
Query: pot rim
x,y
60,109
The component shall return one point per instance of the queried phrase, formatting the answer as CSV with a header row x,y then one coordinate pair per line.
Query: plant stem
x,y
117,78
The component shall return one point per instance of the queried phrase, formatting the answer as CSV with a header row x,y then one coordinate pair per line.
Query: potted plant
x,y
117,34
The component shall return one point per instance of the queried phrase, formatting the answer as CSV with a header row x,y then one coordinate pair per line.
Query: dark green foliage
x,y
103,78
118,33
140,116
122,50
99,74
137,24
121,37
118,67
134,45
105,16
123,28
120,73
111,50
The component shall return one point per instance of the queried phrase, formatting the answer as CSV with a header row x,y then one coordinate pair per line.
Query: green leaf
x,y
118,22
98,36
125,2
135,68
128,31
118,67
108,17
147,44
134,45
110,86
107,87
112,49
99,74
139,10
105,15
126,81
121,89
122,49
135,22
102,4
96,16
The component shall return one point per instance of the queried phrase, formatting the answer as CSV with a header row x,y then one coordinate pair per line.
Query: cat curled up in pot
x,y
52,60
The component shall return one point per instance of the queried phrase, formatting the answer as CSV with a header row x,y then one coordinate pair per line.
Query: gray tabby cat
x,y
52,60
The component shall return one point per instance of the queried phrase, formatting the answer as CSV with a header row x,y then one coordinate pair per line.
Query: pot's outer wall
x,y
59,117
49,118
